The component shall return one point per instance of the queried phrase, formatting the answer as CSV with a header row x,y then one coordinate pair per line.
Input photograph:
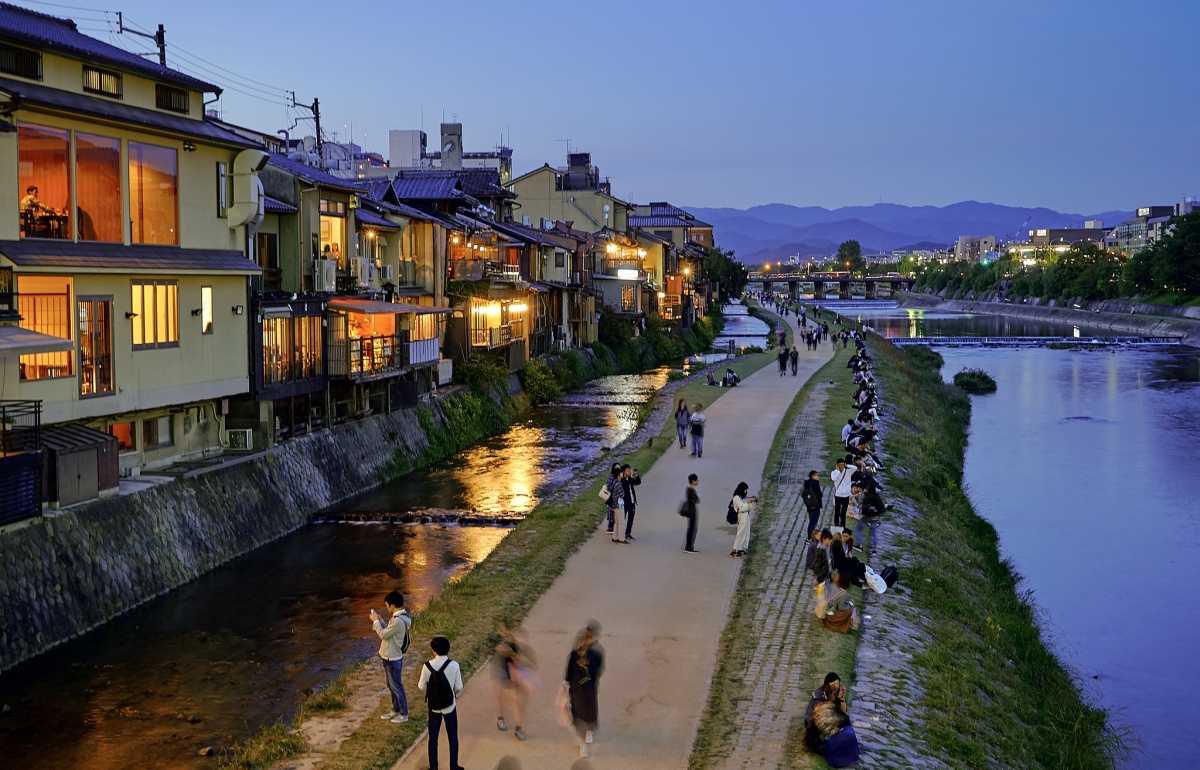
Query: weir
x,y
1010,342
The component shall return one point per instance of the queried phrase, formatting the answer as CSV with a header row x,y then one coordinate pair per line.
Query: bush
x,y
975,381
924,356
539,383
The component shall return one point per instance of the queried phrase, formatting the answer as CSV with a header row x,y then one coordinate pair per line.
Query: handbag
x,y
731,516
604,493
562,706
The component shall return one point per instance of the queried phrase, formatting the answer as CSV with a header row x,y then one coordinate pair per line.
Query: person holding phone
x,y
743,505
394,636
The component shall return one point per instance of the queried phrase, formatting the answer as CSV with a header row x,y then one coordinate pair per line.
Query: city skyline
x,y
1074,107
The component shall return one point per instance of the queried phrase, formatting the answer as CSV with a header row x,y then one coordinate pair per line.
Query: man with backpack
x,y
441,680
395,637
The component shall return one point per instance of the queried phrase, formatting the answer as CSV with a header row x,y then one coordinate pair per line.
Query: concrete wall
x,y
63,575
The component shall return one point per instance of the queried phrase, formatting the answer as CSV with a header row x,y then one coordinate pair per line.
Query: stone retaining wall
x,y
64,574
1145,320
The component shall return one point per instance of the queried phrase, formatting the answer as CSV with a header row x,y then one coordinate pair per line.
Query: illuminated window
x,y
206,310
98,187
45,306
156,314
333,231
153,194
222,189
292,349
43,171
123,431
95,346
98,81
628,298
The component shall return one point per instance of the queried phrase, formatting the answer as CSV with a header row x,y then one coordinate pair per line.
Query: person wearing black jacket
x,y
871,512
629,480
813,498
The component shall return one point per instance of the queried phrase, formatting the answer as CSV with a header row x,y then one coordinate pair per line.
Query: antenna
x,y
568,143
159,37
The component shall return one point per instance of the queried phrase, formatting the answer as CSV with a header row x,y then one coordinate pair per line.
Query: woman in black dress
x,y
585,664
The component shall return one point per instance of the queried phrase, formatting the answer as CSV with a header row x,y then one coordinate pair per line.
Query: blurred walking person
x,y
585,664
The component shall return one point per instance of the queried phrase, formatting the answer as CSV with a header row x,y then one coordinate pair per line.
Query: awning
x,y
376,307
278,311
17,341
371,219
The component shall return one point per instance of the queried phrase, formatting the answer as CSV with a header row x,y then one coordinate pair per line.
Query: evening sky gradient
x,y
1077,105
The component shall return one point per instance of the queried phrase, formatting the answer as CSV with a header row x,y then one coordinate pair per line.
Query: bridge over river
x,y
818,283
1010,342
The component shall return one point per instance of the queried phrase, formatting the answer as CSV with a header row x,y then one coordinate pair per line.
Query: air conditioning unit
x,y
360,269
324,275
560,345
387,272
241,439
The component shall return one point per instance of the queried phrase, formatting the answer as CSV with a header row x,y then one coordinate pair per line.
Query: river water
x,y
216,660
1085,462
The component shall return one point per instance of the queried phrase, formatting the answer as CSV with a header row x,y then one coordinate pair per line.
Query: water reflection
x,y
741,329
231,650
918,322
1085,463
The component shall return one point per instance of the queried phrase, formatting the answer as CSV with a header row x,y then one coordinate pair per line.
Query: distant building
x,y
1141,231
408,149
1058,239
971,248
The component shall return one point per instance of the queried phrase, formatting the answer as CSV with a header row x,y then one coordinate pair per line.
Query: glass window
x,y
44,303
156,314
21,62
628,298
156,432
206,310
95,346
222,189
99,81
98,187
267,252
124,433
333,238
153,194
170,98
309,349
43,160
277,350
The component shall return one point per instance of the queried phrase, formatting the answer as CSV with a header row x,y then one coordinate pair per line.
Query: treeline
x,y
1167,271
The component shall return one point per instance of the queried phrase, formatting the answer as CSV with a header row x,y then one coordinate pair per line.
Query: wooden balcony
x,y
372,358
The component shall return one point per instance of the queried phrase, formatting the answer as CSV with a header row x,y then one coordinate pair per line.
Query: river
x,y
1085,462
213,662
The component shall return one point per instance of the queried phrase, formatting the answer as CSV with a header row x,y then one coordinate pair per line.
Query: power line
x,y
68,7
199,64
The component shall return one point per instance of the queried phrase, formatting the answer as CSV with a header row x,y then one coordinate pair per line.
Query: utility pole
x,y
315,109
159,37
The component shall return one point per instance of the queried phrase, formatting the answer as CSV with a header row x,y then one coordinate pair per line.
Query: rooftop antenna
x,y
159,37
568,143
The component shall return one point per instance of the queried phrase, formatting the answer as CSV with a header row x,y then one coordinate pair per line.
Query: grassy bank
x,y
994,693
501,589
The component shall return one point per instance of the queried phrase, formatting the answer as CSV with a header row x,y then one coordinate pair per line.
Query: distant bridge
x,y
845,282
1030,341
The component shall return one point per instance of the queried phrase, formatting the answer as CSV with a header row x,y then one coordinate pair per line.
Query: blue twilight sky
x,y
1077,105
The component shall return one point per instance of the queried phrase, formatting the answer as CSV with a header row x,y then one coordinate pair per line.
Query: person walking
x,y
841,492
690,510
795,359
813,498
784,353
394,636
743,505
629,481
585,664
441,681
512,670
697,421
613,487
682,416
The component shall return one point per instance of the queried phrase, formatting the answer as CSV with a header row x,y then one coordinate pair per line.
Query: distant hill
x,y
778,230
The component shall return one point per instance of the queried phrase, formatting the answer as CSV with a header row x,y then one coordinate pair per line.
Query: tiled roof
x,y
371,219
414,188
375,187
34,94
39,30
48,253
275,206
650,236
527,234
477,182
661,209
653,221
311,174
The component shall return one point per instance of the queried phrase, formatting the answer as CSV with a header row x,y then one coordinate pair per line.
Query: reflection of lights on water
x,y
1074,331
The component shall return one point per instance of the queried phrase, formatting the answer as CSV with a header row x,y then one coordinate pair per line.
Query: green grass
x,y
500,589
823,652
995,695
977,382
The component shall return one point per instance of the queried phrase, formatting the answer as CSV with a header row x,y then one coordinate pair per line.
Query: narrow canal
x,y
213,662
1085,462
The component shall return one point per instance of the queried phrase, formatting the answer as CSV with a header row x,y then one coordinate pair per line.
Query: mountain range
x,y
776,231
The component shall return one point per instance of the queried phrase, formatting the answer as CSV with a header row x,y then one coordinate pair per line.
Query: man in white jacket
x,y
441,695
841,492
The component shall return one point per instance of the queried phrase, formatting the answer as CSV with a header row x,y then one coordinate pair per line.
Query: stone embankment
x,y
66,573
1138,318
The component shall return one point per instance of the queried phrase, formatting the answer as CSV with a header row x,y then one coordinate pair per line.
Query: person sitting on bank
x,y
839,610
833,736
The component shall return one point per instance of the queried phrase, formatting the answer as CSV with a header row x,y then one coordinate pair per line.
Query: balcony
x,y
629,269
497,336
500,271
20,427
371,358
484,269
20,460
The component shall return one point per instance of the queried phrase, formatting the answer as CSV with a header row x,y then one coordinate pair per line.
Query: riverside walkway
x,y
661,611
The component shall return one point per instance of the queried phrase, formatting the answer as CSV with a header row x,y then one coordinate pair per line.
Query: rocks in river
x,y
207,751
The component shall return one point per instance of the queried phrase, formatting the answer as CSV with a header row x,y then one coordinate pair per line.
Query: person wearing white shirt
x,y
847,429
438,713
394,636
841,492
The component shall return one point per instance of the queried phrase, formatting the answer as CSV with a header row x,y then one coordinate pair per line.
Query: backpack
x,y
731,514
438,693
890,575
407,638
809,497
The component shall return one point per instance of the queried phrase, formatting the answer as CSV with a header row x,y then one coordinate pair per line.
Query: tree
x,y
1175,260
731,275
849,256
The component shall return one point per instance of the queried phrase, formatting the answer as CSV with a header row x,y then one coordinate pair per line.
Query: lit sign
x,y
627,274
1143,212
1043,233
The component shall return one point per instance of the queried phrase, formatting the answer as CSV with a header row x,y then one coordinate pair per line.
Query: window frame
x,y
172,98
101,75
16,52
94,334
147,320
206,310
